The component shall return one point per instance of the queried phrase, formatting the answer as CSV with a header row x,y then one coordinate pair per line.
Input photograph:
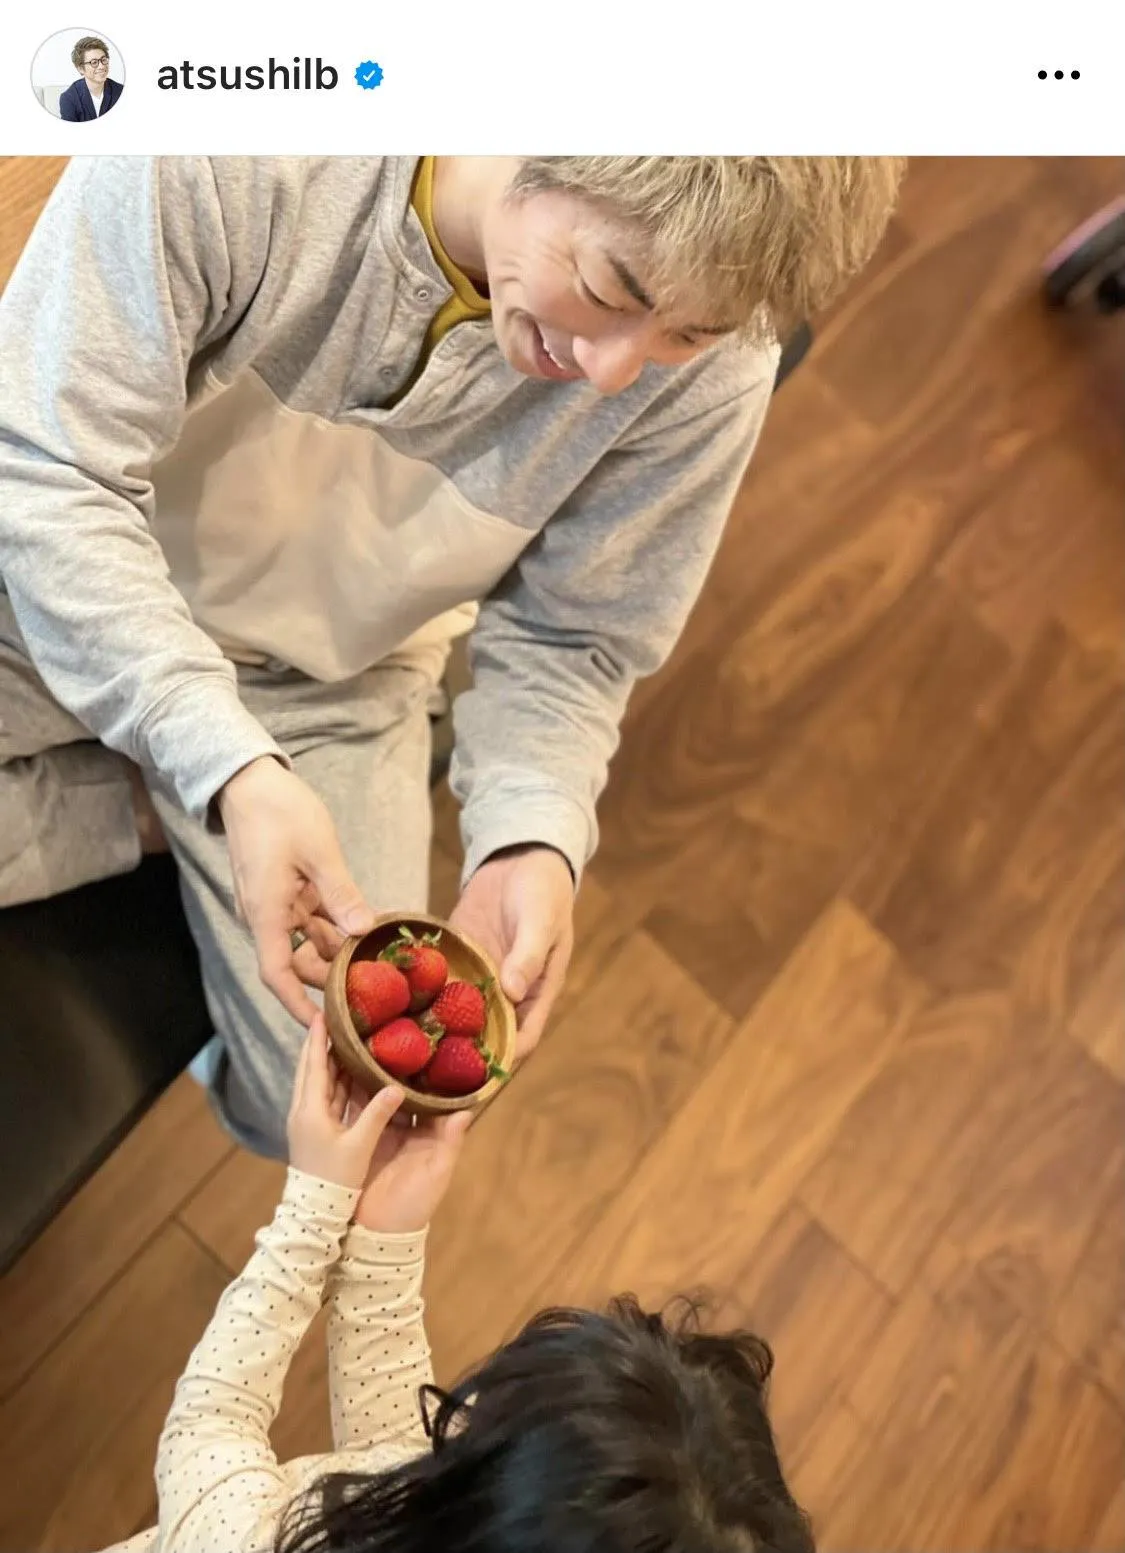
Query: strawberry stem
x,y
495,1068
401,951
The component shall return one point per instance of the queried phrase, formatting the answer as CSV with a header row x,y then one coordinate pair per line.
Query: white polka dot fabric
x,y
220,1486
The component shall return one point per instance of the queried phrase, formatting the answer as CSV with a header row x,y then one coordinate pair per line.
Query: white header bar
x,y
708,76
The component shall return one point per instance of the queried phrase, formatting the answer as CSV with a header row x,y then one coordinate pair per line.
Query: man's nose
x,y
611,364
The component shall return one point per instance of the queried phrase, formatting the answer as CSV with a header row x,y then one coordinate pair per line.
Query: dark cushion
x,y
102,1007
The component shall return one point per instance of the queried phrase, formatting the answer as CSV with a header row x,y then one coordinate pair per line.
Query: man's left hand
x,y
519,907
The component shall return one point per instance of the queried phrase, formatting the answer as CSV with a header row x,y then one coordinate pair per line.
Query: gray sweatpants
x,y
66,818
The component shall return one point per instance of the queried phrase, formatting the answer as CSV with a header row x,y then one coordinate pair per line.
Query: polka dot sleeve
x,y
218,1480
378,1356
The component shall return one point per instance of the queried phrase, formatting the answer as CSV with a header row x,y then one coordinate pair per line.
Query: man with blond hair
x,y
274,432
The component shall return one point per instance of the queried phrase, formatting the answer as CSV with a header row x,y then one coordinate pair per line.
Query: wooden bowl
x,y
467,962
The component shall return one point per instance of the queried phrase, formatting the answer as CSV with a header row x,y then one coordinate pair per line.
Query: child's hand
x,y
328,1136
409,1172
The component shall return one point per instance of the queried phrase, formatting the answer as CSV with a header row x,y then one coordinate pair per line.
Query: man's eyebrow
x,y
630,282
633,286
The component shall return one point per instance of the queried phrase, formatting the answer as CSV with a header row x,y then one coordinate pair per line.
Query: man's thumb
x,y
341,900
526,959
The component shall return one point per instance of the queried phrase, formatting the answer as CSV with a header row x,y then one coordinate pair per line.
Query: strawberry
x,y
421,962
376,992
459,1009
402,1048
458,1067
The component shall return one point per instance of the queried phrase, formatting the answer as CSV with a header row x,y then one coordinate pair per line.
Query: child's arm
x,y
378,1355
218,1479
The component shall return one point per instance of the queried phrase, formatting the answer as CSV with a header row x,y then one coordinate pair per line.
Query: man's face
x,y
568,301
95,66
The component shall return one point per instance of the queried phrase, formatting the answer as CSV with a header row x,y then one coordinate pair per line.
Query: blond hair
x,y
760,242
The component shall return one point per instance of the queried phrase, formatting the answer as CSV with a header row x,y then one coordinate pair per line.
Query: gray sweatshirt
x,y
196,470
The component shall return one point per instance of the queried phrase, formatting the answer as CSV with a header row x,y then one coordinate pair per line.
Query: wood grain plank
x,y
821,1470
1009,560
1089,1320
945,194
819,709
1013,877
974,1417
1110,1535
26,182
549,1158
1033,1168
962,378
1091,599
232,1205
733,1155
817,1308
920,354
882,1185
84,1469
844,771
95,1237
1092,180
1099,1019
1054,693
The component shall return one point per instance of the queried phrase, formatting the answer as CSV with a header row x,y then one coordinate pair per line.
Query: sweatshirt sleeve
x,y
126,277
218,1480
597,602
378,1355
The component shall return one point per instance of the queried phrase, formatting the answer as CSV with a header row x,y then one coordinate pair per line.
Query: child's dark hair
x,y
589,1433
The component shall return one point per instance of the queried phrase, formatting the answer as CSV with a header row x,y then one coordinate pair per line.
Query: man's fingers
x,y
310,966
270,926
528,1036
340,900
278,975
532,1017
287,989
525,961
534,1022
313,959
325,936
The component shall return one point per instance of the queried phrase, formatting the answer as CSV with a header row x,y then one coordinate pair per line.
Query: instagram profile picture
x,y
78,75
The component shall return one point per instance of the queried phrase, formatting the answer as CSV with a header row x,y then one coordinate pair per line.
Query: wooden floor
x,y
844,1037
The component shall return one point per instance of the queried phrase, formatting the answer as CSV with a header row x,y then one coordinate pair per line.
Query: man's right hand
x,y
289,873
